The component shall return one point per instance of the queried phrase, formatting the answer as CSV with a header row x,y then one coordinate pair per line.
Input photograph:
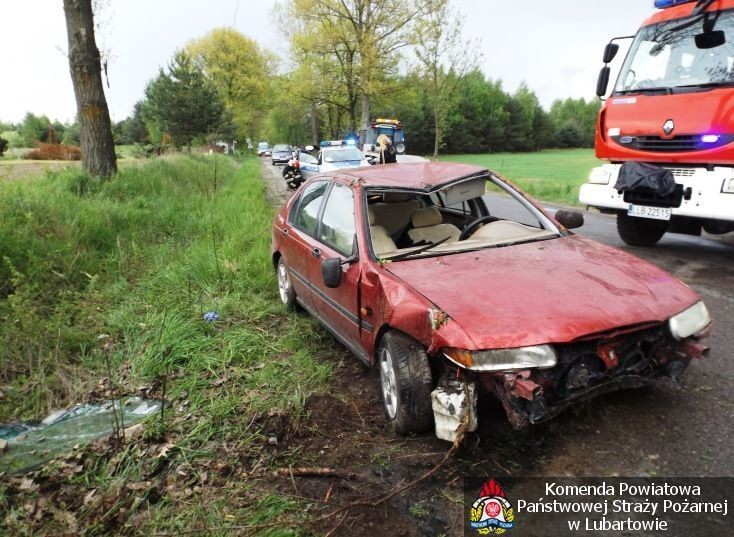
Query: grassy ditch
x,y
551,175
103,290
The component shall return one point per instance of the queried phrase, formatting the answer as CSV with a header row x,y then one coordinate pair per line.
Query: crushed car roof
x,y
418,175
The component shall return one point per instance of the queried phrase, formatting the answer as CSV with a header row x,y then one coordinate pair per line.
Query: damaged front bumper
x,y
584,370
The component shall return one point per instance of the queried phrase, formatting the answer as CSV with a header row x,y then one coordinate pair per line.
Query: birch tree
x,y
444,57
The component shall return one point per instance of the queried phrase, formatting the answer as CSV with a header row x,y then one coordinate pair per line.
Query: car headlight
x,y
541,356
690,321
728,186
600,175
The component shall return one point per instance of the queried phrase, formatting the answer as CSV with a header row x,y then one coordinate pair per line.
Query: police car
x,y
333,155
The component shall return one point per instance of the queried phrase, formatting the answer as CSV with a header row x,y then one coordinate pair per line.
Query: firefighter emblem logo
x,y
492,513
668,127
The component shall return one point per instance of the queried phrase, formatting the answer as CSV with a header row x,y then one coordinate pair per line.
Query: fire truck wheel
x,y
640,231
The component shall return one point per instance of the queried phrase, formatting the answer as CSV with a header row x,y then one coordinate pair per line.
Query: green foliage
x,y
13,137
3,146
241,72
34,129
182,101
71,134
551,175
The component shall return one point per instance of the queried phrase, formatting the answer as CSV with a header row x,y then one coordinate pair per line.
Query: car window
x,y
504,206
306,213
337,224
307,158
343,155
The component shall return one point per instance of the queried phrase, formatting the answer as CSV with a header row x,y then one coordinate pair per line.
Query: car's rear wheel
x,y
640,231
285,288
406,383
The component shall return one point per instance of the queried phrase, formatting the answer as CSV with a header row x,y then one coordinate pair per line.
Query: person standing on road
x,y
388,155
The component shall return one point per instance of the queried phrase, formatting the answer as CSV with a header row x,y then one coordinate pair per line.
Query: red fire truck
x,y
667,128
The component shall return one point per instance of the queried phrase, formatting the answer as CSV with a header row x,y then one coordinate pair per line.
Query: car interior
x,y
459,216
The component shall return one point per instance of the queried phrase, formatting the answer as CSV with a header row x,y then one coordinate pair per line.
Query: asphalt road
x,y
671,429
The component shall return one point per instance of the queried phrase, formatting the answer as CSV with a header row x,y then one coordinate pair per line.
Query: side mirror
x,y
610,51
603,81
331,270
712,39
570,219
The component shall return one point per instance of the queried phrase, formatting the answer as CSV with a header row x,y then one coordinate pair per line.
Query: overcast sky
x,y
554,46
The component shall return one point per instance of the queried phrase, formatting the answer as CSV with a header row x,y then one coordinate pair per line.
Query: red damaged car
x,y
451,280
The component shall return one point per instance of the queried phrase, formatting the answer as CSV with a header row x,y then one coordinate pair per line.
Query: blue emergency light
x,y
336,143
662,4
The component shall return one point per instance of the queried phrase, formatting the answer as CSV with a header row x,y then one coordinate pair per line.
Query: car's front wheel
x,y
637,231
285,287
406,382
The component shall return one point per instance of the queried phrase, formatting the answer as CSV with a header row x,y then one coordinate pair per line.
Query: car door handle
x,y
284,232
316,252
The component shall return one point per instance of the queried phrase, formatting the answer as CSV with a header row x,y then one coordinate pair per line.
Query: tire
x,y
400,148
405,383
285,287
640,231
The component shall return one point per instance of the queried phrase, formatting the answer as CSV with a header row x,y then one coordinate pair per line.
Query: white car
x,y
334,155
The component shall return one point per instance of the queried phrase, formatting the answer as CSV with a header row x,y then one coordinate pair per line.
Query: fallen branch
x,y
311,472
343,510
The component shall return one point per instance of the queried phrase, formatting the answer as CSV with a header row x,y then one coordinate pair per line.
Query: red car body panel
x,y
553,291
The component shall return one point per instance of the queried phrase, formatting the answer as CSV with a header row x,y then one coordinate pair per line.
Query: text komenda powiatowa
x,y
653,499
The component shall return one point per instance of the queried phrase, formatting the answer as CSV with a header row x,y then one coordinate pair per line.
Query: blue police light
x,y
662,4
709,138
351,141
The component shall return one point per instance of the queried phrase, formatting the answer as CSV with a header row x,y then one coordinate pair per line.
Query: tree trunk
x,y
365,120
97,145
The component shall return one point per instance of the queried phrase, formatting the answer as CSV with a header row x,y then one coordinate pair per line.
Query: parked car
x,y
449,290
263,149
332,155
281,154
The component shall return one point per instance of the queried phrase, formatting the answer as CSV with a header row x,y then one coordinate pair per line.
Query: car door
x,y
309,164
338,307
299,240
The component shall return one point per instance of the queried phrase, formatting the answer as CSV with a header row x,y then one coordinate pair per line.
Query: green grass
x,y
550,175
123,271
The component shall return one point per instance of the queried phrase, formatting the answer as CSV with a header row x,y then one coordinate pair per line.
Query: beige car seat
x,y
393,213
381,241
428,226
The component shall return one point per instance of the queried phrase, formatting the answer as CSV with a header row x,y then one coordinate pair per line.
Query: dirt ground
x,y
670,429
19,169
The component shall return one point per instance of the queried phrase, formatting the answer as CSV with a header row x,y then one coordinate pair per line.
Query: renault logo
x,y
668,127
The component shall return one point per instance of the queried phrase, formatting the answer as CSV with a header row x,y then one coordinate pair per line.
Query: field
x,y
551,175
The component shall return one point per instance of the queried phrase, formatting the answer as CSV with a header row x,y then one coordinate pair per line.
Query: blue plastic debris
x,y
211,316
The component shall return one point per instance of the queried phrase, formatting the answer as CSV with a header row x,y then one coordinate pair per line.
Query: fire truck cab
x,y
667,128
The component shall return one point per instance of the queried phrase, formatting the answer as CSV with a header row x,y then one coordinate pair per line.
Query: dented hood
x,y
552,291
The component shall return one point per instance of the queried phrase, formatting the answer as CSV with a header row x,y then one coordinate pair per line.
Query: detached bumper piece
x,y
591,368
454,404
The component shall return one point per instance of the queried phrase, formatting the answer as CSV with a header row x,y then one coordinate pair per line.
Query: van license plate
x,y
656,213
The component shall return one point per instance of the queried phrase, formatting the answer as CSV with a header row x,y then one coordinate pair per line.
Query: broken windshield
x,y
473,214
665,56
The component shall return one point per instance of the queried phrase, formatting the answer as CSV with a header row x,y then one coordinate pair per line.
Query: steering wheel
x,y
469,229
